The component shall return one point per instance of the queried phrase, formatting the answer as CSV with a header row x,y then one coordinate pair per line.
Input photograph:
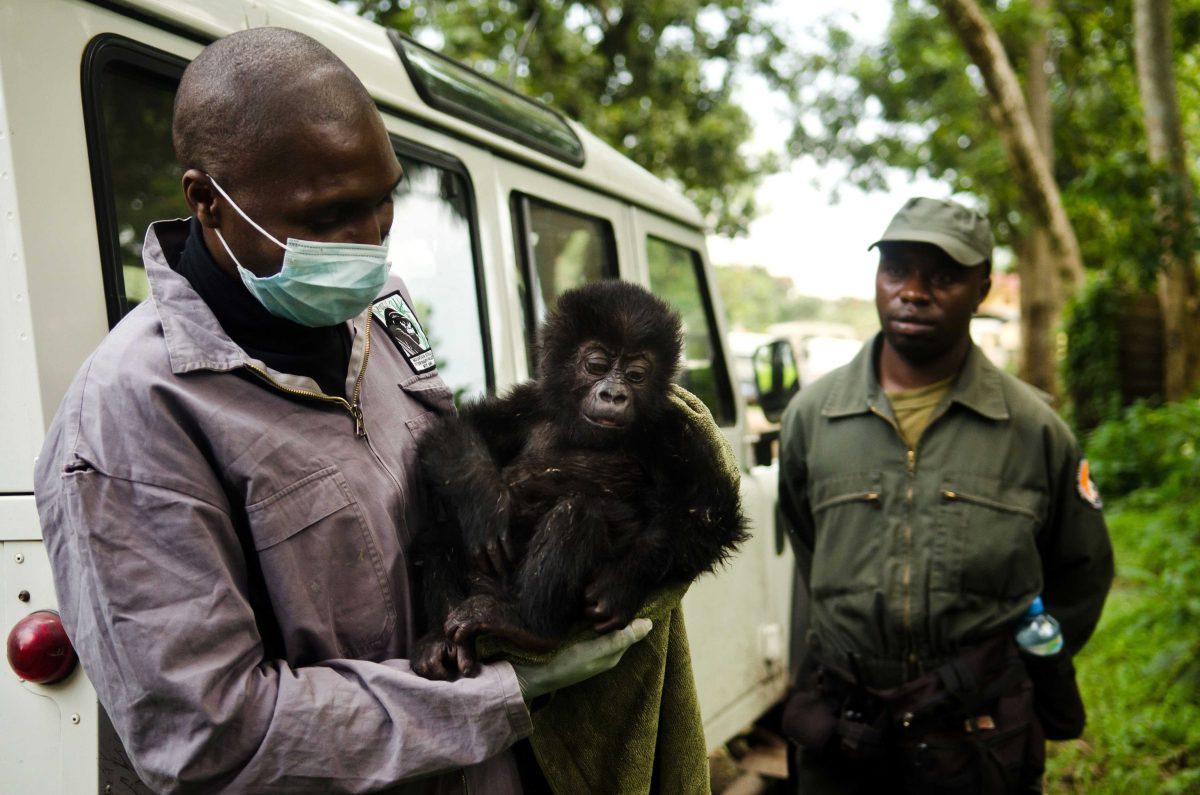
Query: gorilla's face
x,y
611,383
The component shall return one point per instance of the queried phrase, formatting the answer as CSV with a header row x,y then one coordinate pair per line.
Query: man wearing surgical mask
x,y
227,489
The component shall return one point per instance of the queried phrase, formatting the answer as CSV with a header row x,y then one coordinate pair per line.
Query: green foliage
x,y
1091,368
653,78
755,299
1143,732
1140,674
915,102
1150,452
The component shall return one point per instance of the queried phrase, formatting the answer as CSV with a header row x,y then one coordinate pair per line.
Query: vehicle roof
x,y
365,47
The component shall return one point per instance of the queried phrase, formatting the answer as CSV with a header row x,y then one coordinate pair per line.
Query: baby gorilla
x,y
574,496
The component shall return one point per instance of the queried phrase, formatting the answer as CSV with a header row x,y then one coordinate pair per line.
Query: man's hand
x,y
579,662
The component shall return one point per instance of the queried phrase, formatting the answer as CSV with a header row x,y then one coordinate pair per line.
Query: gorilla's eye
x,y
596,366
635,376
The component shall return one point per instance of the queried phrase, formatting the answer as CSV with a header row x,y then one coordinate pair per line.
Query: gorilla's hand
x,y
611,600
433,658
481,614
486,532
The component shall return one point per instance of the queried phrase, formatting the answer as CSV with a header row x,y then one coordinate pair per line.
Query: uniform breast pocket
x,y
431,392
432,398
323,570
994,527
846,510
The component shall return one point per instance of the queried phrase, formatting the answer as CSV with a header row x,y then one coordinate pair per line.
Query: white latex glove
x,y
581,661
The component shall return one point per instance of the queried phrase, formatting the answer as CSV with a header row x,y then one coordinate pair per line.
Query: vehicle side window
x,y
134,171
677,276
433,246
561,249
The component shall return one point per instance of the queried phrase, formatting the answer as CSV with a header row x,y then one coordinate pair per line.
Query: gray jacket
x,y
229,555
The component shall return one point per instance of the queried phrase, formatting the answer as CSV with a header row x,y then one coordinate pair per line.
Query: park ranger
x,y
226,492
930,498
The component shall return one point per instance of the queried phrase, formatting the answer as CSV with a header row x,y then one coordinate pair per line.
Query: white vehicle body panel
x,y
53,314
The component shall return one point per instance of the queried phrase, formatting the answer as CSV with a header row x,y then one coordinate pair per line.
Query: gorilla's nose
x,y
615,394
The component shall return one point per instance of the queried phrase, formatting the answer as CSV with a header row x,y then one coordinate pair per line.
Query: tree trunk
x,y
1035,179
1041,293
1040,310
1164,134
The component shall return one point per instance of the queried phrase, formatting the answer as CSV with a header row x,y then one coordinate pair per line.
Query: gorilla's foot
x,y
484,614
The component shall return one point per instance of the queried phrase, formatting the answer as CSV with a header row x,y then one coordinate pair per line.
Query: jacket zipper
x,y
360,428
906,577
352,406
908,498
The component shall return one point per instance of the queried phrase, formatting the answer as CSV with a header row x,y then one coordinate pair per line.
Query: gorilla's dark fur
x,y
573,496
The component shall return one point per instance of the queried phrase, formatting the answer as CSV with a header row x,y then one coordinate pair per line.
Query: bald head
x,y
291,136
238,101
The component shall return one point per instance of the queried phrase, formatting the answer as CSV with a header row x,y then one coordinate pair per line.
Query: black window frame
x,y
101,52
519,204
401,41
721,379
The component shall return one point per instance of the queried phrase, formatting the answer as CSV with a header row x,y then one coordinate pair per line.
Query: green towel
x,y
638,725
703,424
626,728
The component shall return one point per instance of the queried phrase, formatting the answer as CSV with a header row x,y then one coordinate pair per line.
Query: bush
x,y
1149,458
1091,368
1140,674
1149,447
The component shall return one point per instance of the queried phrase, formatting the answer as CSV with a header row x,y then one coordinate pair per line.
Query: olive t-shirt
x,y
914,408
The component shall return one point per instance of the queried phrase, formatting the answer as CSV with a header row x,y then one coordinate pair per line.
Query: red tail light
x,y
39,650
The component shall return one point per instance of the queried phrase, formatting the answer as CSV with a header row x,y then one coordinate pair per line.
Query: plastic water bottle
x,y
1038,632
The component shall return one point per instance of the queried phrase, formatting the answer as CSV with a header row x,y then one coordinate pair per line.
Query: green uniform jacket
x,y
910,554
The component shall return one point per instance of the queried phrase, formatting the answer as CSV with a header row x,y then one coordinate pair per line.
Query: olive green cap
x,y
959,231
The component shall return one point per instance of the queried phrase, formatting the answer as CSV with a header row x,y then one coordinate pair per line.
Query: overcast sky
x,y
800,232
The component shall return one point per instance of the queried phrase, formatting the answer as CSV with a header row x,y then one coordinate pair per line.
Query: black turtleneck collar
x,y
322,354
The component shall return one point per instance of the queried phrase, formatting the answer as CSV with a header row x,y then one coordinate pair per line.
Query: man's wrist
x,y
514,701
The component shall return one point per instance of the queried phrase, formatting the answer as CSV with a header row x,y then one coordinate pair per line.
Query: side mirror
x,y
776,377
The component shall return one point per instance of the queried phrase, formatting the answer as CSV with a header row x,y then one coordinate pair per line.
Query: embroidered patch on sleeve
x,y
396,317
1087,486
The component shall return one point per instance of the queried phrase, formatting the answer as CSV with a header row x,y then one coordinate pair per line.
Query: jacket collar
x,y
194,338
858,391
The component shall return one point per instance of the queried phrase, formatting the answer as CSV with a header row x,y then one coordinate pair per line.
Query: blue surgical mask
x,y
321,284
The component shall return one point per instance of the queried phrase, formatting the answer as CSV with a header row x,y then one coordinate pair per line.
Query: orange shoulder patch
x,y
1087,487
